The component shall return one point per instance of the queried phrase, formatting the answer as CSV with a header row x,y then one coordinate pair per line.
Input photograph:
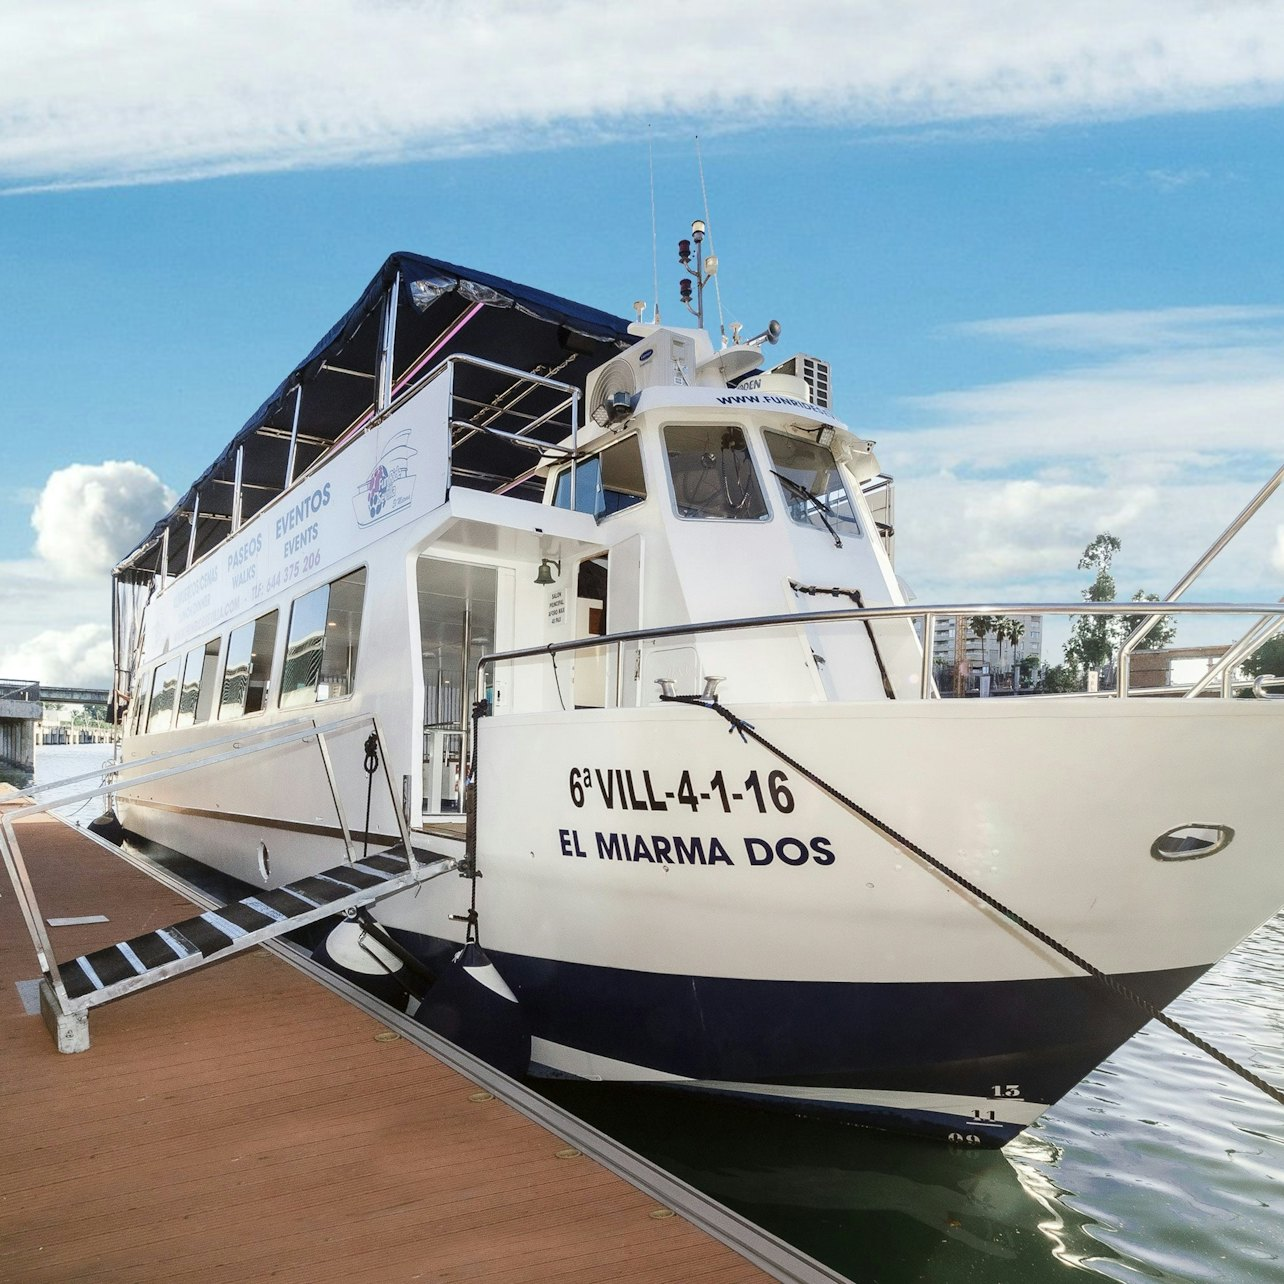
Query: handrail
x,y
297,729
1273,610
1133,640
1256,635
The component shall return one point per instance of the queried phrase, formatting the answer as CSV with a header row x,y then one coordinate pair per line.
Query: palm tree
x,y
1014,631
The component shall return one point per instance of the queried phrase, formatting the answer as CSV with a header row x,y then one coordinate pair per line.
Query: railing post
x,y
1134,639
929,628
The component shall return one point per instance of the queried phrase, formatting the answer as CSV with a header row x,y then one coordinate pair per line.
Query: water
x,y
60,762
1160,1166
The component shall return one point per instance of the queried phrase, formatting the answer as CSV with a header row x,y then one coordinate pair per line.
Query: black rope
x,y
472,932
814,590
747,732
552,655
371,766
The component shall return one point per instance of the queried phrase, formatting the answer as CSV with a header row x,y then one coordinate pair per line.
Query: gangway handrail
x,y
118,768
265,738
873,614
1135,638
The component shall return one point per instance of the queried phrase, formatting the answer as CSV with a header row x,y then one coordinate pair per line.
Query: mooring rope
x,y
371,766
747,732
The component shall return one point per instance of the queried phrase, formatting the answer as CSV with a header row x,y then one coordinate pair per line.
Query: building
x,y
960,658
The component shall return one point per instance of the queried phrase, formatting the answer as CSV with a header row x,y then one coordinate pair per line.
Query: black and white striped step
x,y
218,930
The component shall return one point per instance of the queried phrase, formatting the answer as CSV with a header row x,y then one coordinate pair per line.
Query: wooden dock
x,y
245,1123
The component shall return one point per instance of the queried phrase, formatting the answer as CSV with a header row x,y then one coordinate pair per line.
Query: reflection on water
x,y
1160,1166
63,762
874,1206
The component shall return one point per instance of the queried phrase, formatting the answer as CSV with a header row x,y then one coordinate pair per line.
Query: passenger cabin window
x,y
321,646
160,713
605,483
249,662
197,695
140,707
712,474
812,484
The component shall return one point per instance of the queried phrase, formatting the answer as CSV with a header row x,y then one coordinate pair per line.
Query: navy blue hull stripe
x,y
957,1038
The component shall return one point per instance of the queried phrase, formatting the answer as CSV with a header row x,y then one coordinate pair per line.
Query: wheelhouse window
x,y
605,483
811,484
249,663
712,474
196,698
160,712
321,645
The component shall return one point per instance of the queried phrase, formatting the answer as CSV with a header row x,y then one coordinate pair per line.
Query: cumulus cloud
x,y
138,90
78,656
1160,433
90,515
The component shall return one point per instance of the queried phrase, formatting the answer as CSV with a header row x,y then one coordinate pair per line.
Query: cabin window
x,y
197,694
812,484
712,474
140,705
605,483
321,646
160,713
249,663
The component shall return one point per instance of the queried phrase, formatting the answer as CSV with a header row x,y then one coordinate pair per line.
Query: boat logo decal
x,y
390,485
1191,842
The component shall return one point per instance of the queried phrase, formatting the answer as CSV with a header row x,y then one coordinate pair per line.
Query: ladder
x,y
68,990
217,934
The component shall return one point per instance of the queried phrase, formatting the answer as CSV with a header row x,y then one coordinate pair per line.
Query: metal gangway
x,y
69,989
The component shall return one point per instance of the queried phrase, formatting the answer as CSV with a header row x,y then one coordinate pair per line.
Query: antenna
x,y
655,258
717,289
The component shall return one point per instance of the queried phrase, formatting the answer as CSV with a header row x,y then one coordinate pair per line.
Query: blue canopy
x,y
437,316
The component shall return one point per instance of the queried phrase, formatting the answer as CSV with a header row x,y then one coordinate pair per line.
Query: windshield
x,y
712,473
811,484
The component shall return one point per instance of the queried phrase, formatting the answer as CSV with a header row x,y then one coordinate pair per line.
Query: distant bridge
x,y
22,706
38,692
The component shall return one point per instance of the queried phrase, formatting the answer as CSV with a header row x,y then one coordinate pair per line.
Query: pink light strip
x,y
410,374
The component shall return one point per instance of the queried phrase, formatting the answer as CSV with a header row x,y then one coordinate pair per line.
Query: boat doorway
x,y
590,621
457,609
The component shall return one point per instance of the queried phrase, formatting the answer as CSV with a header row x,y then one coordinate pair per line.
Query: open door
x,y
457,607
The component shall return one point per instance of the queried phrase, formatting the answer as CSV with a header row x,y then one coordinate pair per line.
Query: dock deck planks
x,y
243,1123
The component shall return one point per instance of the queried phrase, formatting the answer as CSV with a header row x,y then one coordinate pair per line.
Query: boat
x,y
621,604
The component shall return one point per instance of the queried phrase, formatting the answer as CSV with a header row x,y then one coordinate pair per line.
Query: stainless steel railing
x,y
1241,649
1272,612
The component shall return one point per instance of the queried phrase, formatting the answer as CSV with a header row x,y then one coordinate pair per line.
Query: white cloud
x,y
137,90
79,656
1217,327
90,515
56,624
1161,431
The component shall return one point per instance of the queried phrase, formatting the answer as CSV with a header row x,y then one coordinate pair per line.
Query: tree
x,y
1093,637
1268,658
981,626
1062,677
1013,632
1161,632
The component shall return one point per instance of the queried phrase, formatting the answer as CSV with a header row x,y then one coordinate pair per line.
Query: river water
x,y
1160,1166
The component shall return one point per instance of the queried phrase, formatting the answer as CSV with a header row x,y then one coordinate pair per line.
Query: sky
x,y
1039,243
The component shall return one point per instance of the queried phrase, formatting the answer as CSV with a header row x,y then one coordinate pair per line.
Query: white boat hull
x,y
797,955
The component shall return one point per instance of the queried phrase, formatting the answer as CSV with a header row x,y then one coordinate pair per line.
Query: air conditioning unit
x,y
664,358
814,372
